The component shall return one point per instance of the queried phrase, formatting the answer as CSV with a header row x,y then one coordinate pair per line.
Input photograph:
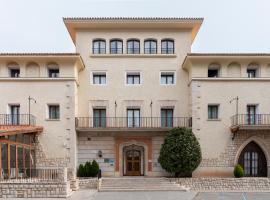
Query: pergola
x,y
17,152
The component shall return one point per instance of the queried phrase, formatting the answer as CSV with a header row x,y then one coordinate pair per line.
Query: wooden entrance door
x,y
133,163
253,161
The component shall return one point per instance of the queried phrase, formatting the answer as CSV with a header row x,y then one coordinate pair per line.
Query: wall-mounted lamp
x,y
100,154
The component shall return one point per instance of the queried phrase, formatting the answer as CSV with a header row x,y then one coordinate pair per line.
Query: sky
x,y
230,26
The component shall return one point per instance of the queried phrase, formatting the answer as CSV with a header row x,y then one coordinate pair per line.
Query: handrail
x,y
17,119
132,122
250,119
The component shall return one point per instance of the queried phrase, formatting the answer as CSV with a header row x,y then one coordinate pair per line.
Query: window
x,y
167,78
99,78
213,70
213,111
251,73
133,118
99,47
14,73
99,119
133,79
14,114
167,46
251,114
213,73
150,46
166,117
133,47
53,73
54,111
116,47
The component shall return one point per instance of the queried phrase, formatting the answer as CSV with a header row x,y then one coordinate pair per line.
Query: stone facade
x,y
225,184
86,183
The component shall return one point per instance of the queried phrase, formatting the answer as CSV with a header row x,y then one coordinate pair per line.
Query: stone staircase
x,y
139,184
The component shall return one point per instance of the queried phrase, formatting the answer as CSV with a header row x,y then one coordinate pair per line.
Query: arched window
x,y
14,69
133,46
53,70
116,46
99,46
214,70
32,70
167,46
150,46
253,70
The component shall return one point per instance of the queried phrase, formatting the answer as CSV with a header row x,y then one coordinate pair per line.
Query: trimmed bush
x,y
238,171
88,169
180,153
95,168
81,171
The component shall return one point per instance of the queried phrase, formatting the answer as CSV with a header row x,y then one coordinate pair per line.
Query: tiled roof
x,y
39,54
13,129
132,18
228,54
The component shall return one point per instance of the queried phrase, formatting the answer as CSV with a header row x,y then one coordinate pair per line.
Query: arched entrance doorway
x,y
133,160
253,160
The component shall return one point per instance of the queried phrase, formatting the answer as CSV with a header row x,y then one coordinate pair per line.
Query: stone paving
x,y
158,195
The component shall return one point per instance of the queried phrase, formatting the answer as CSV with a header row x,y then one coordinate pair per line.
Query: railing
x,y
17,119
25,175
250,119
132,122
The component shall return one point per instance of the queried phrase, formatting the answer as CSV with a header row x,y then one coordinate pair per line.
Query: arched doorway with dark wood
x,y
253,160
133,160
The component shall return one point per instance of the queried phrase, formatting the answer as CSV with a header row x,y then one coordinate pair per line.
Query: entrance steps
x,y
139,184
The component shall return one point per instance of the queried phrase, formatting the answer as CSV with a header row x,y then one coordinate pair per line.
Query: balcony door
x,y
15,114
166,117
133,118
99,119
251,114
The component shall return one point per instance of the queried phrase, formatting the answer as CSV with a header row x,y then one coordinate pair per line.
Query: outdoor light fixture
x,y
100,154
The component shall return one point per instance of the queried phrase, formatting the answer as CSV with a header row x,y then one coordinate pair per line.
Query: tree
x,y
95,168
180,153
81,171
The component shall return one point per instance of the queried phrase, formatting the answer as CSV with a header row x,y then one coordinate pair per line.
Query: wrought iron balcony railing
x,y
250,120
17,119
133,122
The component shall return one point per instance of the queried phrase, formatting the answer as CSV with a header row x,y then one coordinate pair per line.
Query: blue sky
x,y
229,25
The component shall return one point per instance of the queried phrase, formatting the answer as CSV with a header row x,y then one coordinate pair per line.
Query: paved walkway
x,y
232,196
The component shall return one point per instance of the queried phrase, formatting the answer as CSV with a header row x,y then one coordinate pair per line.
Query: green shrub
x,y
88,169
95,168
81,171
238,171
180,153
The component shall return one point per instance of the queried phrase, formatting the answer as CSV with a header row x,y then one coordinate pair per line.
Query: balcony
x,y
134,124
250,122
18,123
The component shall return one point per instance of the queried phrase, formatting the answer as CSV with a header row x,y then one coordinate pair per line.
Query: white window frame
x,y
164,72
96,73
133,73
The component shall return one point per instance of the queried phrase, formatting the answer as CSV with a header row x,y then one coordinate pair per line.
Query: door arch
x,y
253,160
133,160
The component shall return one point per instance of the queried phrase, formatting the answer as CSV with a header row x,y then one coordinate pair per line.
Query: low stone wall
x,y
225,184
86,183
17,189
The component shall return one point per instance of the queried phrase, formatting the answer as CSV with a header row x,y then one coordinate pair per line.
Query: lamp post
x,y
29,108
237,101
